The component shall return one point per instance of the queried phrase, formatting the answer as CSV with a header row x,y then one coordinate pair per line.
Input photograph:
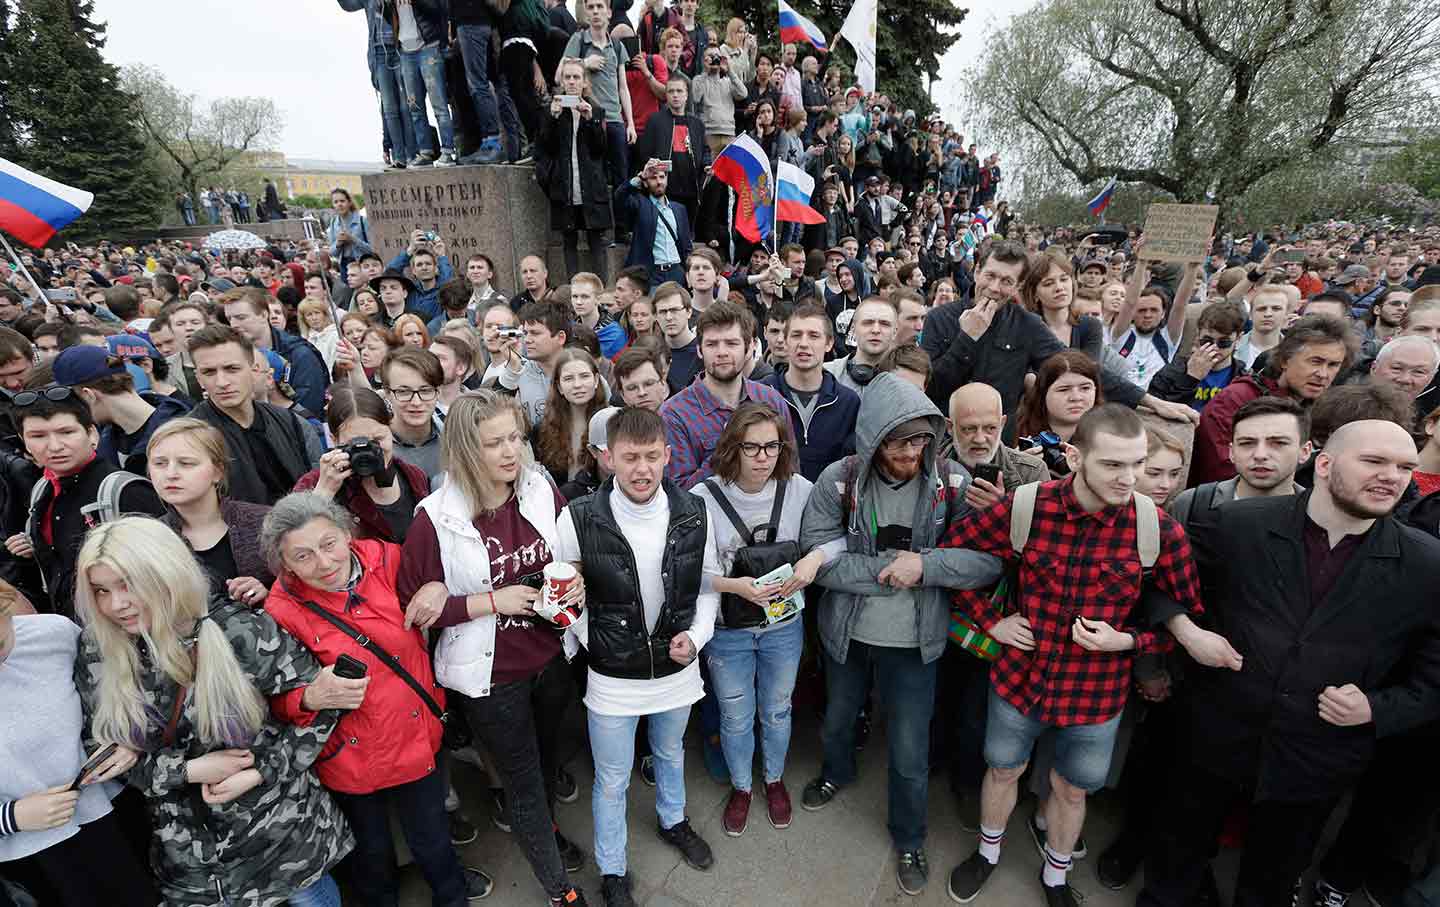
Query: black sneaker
x,y
1037,834
818,794
572,898
912,871
647,770
462,831
691,846
968,878
1328,896
566,790
1061,895
477,884
616,891
500,809
570,853
1120,861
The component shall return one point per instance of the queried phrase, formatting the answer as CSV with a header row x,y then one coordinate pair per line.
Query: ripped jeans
x,y
423,73
754,670
612,743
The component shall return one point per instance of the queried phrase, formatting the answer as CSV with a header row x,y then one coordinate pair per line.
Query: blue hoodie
x,y
128,451
831,432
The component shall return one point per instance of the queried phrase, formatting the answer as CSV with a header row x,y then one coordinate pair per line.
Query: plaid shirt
x,y
1075,563
694,420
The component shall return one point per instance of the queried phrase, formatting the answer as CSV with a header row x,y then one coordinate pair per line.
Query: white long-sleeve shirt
x,y
644,527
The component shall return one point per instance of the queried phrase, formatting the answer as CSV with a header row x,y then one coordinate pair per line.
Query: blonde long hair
x,y
461,452
165,578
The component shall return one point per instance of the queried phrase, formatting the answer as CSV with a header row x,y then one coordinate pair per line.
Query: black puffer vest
x,y
619,645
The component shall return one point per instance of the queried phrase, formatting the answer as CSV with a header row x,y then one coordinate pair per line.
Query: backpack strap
x,y
106,506
1147,530
775,509
1022,514
37,491
847,493
1129,344
729,510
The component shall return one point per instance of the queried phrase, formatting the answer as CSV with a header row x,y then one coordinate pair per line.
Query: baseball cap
x,y
872,180
84,363
910,428
1093,263
280,371
600,427
1350,275
131,346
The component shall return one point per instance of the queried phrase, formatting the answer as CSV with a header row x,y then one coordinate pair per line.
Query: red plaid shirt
x,y
1074,564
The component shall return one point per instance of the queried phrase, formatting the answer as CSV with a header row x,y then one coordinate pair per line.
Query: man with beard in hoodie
x,y
879,517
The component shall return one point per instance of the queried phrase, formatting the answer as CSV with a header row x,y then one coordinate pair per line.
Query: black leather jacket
x,y
619,645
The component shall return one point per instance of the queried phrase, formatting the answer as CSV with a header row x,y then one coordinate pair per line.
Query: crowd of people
x,y
290,533
230,206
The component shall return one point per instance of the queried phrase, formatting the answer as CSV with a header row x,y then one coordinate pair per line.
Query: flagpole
x,y
40,293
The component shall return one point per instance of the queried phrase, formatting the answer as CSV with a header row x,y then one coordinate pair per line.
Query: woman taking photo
x,y
572,146
349,231
753,660
1066,387
238,815
186,463
381,498
473,564
47,830
575,395
333,588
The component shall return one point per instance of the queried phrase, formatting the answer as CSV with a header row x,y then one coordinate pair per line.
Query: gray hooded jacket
x,y
852,563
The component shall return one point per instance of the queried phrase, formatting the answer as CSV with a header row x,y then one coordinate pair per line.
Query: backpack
x,y
969,636
103,509
755,558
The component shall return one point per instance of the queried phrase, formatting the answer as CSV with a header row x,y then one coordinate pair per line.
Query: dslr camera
x,y
366,457
1052,450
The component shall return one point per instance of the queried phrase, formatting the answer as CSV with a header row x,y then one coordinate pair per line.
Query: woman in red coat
x,y
331,589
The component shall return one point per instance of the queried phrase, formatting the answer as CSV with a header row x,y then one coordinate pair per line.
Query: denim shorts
x,y
1082,752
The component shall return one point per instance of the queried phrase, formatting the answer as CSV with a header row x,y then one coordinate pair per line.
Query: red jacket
x,y
1211,459
393,737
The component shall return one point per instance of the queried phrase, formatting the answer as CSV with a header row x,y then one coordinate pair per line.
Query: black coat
x,y
687,173
1378,629
867,222
554,173
1016,342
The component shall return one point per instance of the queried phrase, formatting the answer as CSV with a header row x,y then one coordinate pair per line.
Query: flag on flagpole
x,y
859,30
1099,203
33,208
795,28
744,167
793,190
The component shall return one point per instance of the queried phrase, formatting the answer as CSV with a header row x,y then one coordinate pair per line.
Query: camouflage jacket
x,y
279,837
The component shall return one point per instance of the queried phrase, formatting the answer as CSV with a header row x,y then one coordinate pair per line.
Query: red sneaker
x,y
777,803
737,813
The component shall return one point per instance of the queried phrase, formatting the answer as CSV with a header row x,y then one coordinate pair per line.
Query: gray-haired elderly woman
x,y
331,589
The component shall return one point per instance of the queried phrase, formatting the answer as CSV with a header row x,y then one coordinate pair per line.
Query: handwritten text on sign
x,y
1178,232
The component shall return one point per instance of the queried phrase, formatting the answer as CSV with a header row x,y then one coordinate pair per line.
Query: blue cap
x,y
280,369
132,346
83,363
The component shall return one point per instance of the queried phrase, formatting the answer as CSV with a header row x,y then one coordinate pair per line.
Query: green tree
x,y
1203,99
67,118
910,36
1417,164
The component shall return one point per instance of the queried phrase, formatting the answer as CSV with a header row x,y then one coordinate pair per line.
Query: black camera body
x,y
366,457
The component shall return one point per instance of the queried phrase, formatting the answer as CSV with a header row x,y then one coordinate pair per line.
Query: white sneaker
x,y
446,159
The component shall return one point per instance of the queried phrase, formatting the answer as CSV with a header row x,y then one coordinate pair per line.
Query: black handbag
x,y
457,733
755,559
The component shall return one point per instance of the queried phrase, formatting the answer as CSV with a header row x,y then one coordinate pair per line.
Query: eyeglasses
x,y
914,442
752,449
1221,343
406,394
54,393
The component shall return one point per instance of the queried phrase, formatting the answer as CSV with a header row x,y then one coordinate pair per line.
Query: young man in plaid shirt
x,y
1068,645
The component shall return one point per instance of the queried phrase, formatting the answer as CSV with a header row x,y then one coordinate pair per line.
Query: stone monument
x,y
495,209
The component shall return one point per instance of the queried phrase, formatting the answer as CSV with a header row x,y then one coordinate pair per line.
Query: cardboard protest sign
x,y
1178,232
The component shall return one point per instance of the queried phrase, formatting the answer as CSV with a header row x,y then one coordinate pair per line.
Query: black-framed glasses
x,y
753,449
406,394
54,393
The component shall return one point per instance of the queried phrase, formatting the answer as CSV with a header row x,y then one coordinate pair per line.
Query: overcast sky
x,y
309,56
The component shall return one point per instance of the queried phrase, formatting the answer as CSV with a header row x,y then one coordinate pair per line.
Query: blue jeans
x,y
323,893
420,807
612,744
907,685
424,75
393,108
474,43
213,212
753,668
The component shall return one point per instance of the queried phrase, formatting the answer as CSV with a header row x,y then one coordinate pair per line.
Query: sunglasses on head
x,y
54,393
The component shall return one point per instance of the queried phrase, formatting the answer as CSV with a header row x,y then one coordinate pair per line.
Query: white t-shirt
x,y
1144,360
644,527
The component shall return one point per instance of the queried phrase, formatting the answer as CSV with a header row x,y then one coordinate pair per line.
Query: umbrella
x,y
234,239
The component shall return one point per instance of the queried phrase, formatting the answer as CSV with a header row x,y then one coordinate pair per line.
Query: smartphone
x,y
990,472
63,294
665,166
93,763
568,100
632,47
350,668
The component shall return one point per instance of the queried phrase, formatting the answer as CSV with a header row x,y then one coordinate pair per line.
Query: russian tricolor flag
x,y
1099,203
795,28
794,188
743,166
33,208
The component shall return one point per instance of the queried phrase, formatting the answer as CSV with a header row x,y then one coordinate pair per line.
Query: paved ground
x,y
839,856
